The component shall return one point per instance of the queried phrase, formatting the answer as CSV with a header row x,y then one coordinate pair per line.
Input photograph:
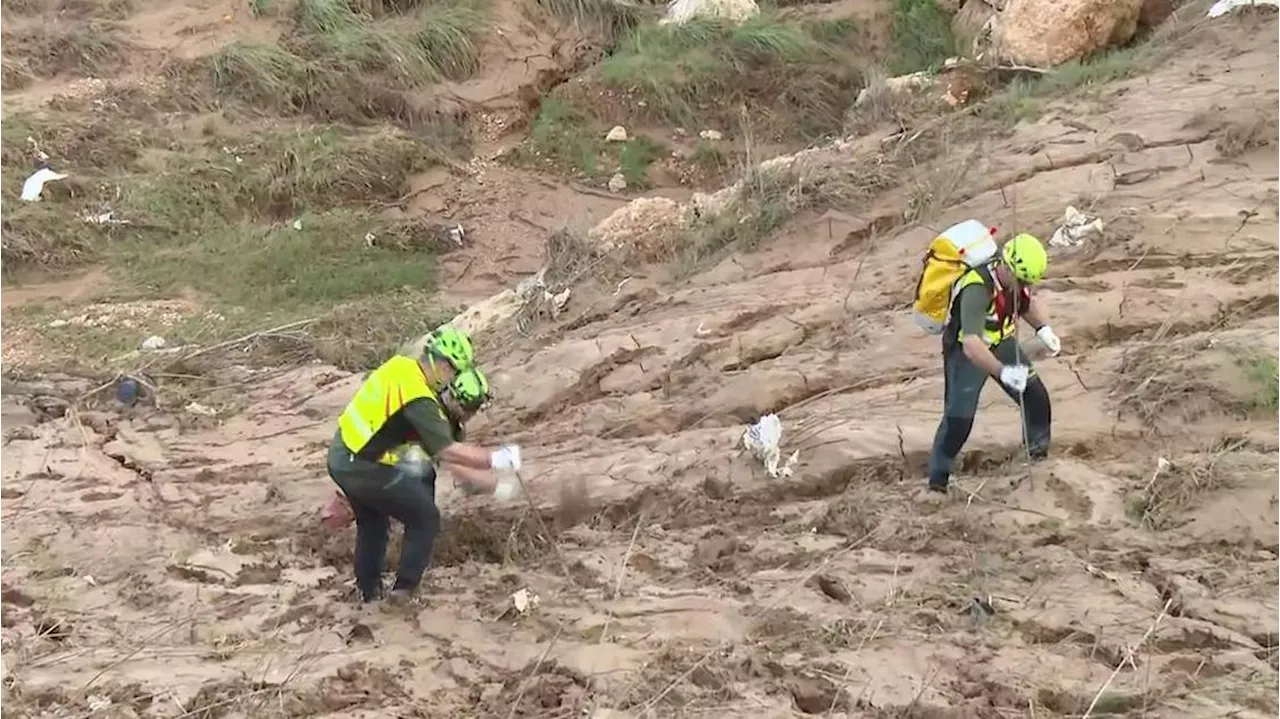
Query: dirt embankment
x,y
164,565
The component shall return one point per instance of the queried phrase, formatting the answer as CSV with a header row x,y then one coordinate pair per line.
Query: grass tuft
x,y
704,70
922,36
324,262
612,18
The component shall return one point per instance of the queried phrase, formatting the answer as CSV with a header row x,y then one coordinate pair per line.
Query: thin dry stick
x,y
533,509
1128,658
622,572
524,683
245,338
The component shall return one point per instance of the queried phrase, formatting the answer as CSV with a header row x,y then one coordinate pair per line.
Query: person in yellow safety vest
x,y
409,401
979,342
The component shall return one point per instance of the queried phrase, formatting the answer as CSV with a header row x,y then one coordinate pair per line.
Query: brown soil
x,y
164,564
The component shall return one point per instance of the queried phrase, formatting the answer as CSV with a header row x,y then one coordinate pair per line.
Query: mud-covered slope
x,y
156,567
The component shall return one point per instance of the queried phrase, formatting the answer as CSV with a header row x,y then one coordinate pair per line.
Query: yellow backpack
x,y
952,253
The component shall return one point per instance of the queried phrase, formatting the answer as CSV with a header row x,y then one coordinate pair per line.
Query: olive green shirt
x,y
971,307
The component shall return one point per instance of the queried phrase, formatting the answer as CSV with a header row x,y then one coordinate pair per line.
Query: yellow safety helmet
x,y
1025,255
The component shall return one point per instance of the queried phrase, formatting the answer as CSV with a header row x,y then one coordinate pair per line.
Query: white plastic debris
x,y
1222,7
762,440
524,601
456,234
1076,229
617,183
34,185
711,135
154,342
557,301
508,486
202,410
617,134
297,224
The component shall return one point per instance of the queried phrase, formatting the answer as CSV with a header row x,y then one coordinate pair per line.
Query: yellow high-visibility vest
x,y
399,381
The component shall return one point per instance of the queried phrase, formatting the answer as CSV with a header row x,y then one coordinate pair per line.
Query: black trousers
x,y
963,383
379,493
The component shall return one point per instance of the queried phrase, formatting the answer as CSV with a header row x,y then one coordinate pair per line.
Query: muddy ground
x,y
161,563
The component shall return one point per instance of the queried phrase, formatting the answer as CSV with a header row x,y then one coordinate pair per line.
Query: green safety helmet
x,y
452,345
1026,257
470,389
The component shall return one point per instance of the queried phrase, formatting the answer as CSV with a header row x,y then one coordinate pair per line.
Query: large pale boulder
x,y
1046,33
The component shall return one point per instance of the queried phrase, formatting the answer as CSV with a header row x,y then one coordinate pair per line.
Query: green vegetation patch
x,y
922,37
701,72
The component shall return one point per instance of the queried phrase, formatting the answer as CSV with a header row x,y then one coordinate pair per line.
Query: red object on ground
x,y
336,513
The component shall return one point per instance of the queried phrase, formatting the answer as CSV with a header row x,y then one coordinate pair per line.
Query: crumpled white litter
x,y
762,440
1076,229
524,600
1222,7
34,184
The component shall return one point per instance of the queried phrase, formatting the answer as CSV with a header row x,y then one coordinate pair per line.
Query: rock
x,y
641,221
735,11
617,183
617,134
711,135
1153,13
154,342
59,323
1047,33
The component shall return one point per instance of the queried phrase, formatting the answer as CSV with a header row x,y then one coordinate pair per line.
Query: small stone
x,y
711,135
617,183
59,323
154,342
617,134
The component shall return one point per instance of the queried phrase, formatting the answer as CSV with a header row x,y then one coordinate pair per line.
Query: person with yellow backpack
x,y
406,418
972,293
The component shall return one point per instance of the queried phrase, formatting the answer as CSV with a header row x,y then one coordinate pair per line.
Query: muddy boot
x,y
400,600
932,495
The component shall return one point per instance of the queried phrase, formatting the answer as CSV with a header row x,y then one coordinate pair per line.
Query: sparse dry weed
x,y
1179,485
1250,132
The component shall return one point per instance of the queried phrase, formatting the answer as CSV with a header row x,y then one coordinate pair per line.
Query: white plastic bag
x,y
1222,7
762,440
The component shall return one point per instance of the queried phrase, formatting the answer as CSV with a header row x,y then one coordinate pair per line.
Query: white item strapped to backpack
x,y
955,251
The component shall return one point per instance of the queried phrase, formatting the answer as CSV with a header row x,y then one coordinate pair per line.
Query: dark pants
x,y
379,493
963,382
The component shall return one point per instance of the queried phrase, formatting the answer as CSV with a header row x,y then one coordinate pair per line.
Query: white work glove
x,y
506,457
1015,377
1049,340
508,488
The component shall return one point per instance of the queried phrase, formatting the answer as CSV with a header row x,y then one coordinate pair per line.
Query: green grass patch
x,y
634,160
1262,372
324,262
611,18
276,177
702,71
437,42
560,134
922,37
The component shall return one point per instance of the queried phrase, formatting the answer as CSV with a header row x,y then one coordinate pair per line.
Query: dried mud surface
x,y
156,566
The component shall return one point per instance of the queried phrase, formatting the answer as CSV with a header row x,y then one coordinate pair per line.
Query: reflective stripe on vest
x,y
994,331
387,390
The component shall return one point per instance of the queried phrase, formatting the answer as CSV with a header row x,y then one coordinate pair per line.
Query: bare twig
x,y
1128,658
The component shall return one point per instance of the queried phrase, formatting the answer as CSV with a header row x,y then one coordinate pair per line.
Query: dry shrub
x,y
91,50
1175,487
1182,382
1251,131
569,260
